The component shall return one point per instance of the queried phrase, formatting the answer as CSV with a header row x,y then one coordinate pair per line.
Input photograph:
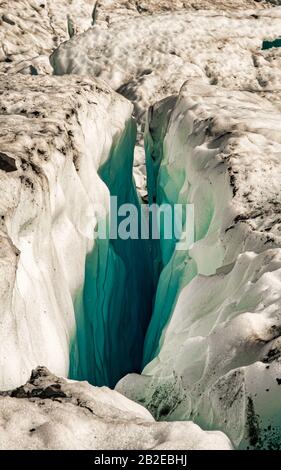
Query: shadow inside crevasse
x,y
271,44
114,306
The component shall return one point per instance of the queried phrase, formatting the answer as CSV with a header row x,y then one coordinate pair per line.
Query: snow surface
x,y
31,29
53,413
147,53
109,11
216,325
148,57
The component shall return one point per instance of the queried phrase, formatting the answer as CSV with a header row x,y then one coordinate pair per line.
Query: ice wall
x,y
58,414
58,137
114,308
216,348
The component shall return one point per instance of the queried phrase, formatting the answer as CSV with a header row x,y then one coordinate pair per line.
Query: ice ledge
x,y
55,135
55,413
217,344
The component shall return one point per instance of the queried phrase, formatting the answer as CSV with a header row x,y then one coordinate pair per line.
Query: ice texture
x,y
81,307
147,53
65,144
49,412
214,338
148,57
31,29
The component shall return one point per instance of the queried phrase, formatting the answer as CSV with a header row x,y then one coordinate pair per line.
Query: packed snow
x,y
31,29
146,54
52,413
148,57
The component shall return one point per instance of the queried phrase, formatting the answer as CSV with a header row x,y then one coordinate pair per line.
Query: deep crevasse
x,y
113,308
71,135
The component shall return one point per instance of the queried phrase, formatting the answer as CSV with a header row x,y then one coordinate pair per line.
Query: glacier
x,y
189,338
147,57
212,350
57,148
31,29
74,148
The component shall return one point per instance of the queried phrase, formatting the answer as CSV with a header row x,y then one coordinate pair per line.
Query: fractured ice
x,y
204,323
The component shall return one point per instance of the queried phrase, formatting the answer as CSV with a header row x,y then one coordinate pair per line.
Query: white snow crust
x,y
31,29
148,57
52,413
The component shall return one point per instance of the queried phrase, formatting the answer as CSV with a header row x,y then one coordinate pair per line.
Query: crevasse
x,y
131,286
168,184
113,308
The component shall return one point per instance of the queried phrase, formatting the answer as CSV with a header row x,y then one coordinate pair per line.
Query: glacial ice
x,y
81,306
112,317
57,148
70,145
148,57
31,29
215,350
270,44
49,412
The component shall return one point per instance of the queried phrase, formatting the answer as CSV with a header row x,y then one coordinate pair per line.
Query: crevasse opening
x,y
131,285
270,44
114,306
